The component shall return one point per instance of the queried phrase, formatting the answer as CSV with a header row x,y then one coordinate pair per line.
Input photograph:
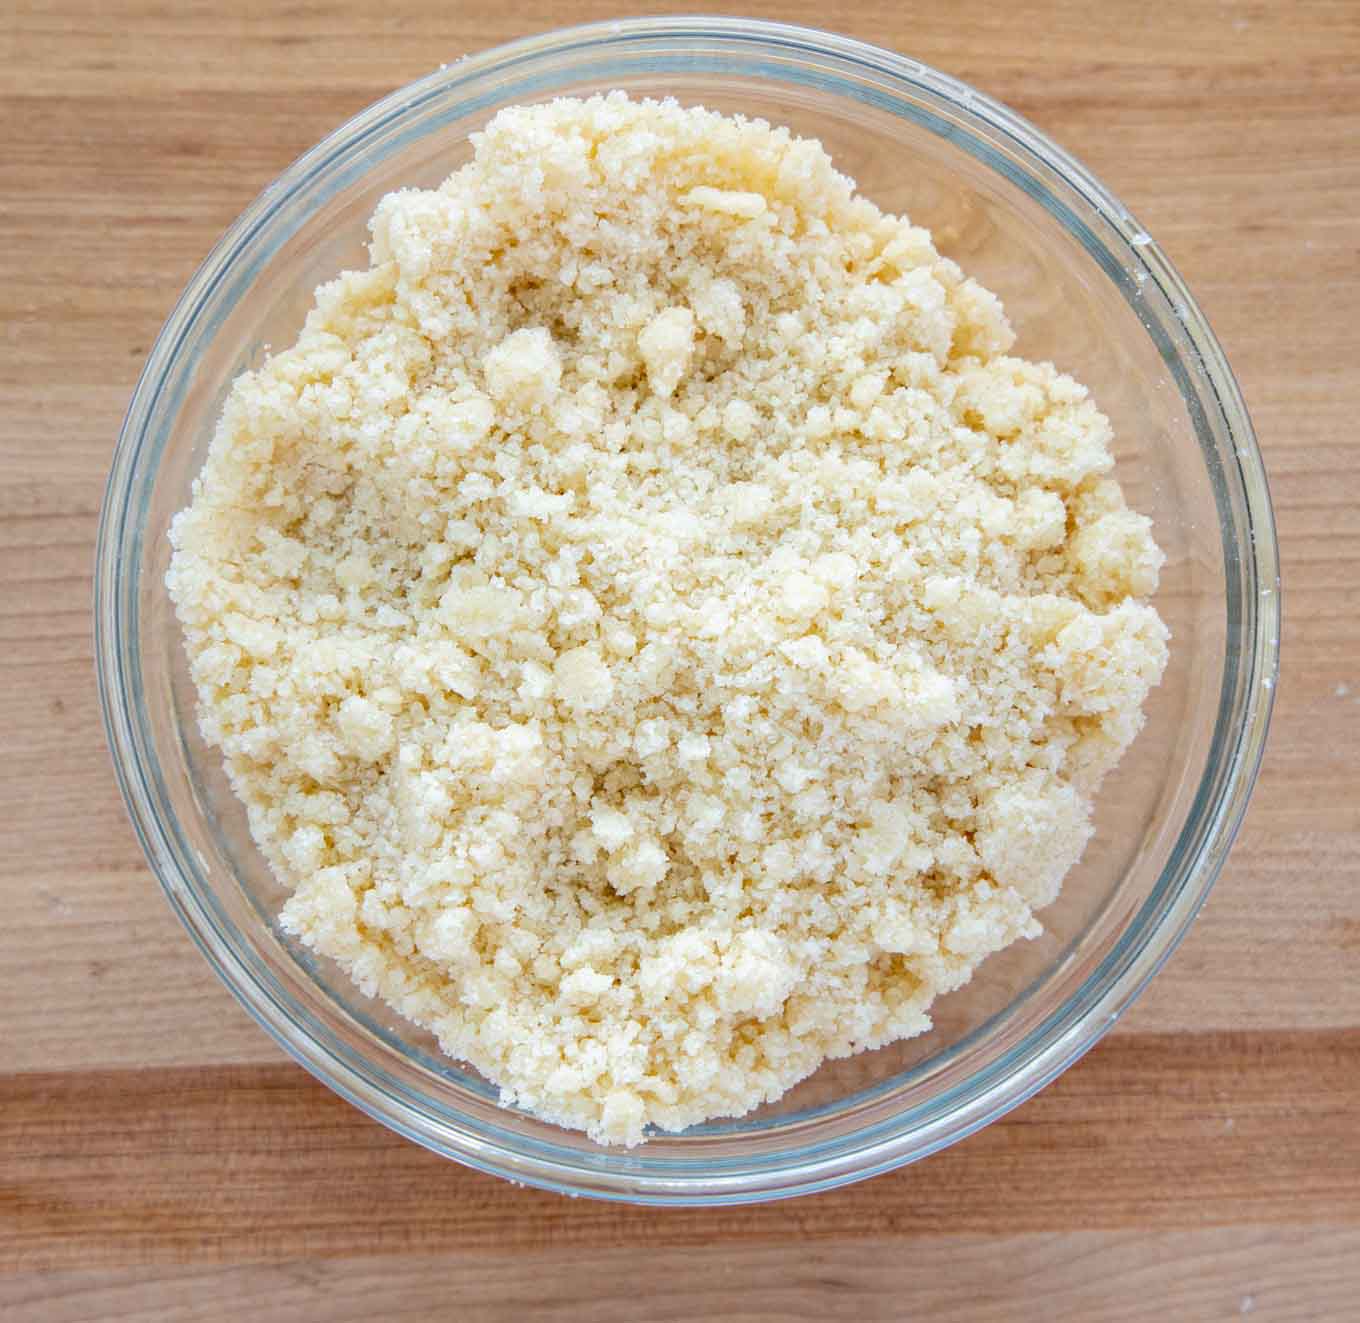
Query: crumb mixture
x,y
659,634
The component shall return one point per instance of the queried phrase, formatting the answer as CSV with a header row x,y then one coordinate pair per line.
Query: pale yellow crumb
x,y
659,634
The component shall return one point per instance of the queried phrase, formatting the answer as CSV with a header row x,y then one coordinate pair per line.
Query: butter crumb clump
x,y
657,630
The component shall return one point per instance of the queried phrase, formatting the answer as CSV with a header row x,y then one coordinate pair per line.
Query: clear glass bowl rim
x,y
1246,695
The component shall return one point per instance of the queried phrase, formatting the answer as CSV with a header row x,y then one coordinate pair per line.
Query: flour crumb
x,y
660,634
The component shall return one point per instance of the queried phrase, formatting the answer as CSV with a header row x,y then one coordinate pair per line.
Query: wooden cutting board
x,y
159,1158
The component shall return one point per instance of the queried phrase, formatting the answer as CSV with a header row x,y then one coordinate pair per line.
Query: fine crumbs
x,y
660,636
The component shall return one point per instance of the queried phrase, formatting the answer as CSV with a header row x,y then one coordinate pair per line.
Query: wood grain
x,y
1285,1274
158,1157
1153,1132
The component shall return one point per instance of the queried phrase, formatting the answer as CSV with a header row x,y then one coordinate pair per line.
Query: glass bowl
x,y
1084,286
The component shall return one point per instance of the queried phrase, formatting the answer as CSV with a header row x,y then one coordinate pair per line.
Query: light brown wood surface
x,y
160,1159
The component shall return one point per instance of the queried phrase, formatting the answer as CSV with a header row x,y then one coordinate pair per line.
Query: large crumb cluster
x,y
659,634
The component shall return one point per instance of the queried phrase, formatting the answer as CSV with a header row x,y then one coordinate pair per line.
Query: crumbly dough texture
x,y
657,631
